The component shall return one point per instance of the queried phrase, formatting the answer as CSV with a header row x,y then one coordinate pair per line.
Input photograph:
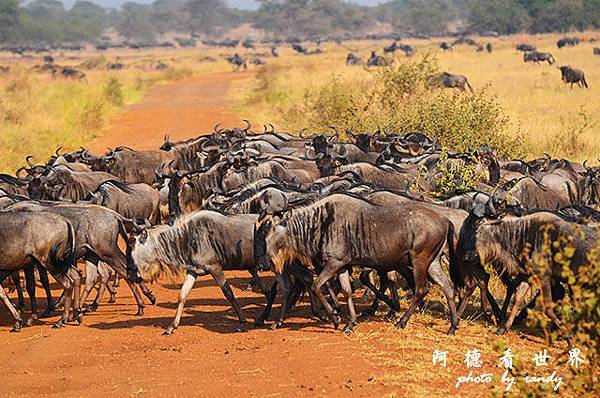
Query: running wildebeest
x,y
237,61
198,244
572,75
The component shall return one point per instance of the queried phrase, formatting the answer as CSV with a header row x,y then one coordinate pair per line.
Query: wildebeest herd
x,y
315,209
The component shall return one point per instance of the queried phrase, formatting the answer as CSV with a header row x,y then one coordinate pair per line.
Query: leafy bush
x,y
400,99
570,142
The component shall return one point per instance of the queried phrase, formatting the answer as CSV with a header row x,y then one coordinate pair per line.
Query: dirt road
x,y
114,353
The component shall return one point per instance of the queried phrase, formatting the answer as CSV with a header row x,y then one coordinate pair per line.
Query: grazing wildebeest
x,y
352,59
597,51
39,239
572,75
376,60
237,61
450,80
69,73
534,245
341,231
446,46
526,47
567,41
536,57
198,244
489,47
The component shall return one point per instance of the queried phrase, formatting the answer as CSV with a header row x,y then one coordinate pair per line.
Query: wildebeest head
x,y
487,158
269,233
590,186
328,162
364,141
415,143
137,236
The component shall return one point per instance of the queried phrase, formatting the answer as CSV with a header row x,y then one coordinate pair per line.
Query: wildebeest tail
x,y
63,259
453,259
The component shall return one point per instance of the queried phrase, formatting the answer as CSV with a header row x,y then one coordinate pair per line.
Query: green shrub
x,y
113,92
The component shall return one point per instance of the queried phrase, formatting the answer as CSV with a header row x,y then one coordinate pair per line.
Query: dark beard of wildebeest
x,y
131,166
341,231
511,245
198,244
97,232
132,201
39,238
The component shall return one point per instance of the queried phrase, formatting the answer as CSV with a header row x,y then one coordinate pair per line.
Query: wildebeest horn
x,y
350,134
19,171
585,166
247,125
301,134
272,128
335,136
58,150
28,160
306,150
110,154
264,128
86,154
217,128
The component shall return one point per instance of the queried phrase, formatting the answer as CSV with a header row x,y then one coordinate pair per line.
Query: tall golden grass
x,y
552,117
38,113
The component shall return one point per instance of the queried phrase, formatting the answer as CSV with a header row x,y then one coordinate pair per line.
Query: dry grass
x,y
552,117
38,113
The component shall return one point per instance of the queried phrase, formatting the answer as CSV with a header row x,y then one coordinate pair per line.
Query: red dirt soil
x,y
119,354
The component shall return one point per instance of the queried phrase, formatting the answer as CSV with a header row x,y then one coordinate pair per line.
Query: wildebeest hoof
x,y
58,325
92,307
16,328
168,331
401,324
140,312
240,327
276,325
501,330
112,299
259,322
336,321
348,329
451,331
150,296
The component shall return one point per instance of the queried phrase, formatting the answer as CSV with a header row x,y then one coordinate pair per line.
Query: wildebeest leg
x,y
283,281
91,276
19,288
511,285
15,313
267,311
30,286
379,295
467,292
43,274
148,293
520,293
344,278
333,296
328,272
548,302
420,267
111,291
256,281
439,276
187,286
104,273
117,281
217,273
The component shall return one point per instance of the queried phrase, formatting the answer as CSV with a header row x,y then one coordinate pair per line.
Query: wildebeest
x,y
198,244
376,60
449,80
446,46
489,47
526,47
597,51
572,75
534,245
132,201
567,41
536,57
335,232
352,59
45,239
68,73
237,62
